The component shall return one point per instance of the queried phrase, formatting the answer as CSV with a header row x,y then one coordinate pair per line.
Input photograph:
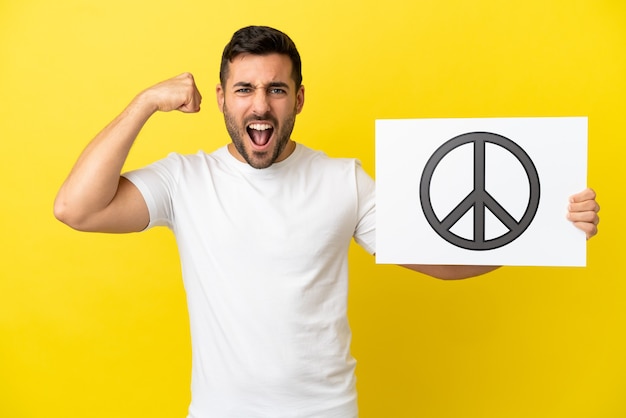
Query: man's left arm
x,y
582,211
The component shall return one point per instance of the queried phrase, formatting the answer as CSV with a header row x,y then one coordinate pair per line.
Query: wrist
x,y
143,105
145,102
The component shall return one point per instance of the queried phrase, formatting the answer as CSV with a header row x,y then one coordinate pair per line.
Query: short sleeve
x,y
157,183
365,231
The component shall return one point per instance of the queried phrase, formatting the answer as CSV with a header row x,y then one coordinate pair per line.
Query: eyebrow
x,y
269,85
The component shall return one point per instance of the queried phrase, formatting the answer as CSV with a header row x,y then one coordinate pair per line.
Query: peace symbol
x,y
479,198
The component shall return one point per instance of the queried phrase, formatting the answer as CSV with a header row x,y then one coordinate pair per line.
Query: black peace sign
x,y
479,198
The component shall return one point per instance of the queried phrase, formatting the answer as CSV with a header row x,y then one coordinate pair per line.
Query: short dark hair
x,y
261,40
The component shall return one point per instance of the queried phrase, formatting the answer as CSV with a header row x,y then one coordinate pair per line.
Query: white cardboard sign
x,y
490,191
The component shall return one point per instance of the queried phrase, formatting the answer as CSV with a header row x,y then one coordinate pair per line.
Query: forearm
x,y
450,272
93,181
583,212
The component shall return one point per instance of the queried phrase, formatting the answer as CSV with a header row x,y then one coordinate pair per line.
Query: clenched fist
x,y
177,93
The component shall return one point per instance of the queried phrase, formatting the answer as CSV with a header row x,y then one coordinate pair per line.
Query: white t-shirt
x,y
264,263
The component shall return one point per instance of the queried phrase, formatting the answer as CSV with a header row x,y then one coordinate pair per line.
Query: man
x,y
263,227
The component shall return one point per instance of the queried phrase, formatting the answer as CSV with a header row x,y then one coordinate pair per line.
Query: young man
x,y
263,227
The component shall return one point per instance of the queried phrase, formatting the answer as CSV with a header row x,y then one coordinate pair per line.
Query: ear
x,y
299,99
219,93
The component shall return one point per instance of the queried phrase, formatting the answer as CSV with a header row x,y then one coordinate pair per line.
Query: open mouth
x,y
260,133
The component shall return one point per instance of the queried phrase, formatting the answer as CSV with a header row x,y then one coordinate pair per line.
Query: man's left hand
x,y
583,212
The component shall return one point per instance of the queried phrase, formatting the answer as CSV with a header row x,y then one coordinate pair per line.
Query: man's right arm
x,y
94,197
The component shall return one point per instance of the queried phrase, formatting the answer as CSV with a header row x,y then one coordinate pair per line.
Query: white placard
x,y
490,191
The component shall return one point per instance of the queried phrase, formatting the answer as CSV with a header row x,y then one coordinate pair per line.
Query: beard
x,y
239,137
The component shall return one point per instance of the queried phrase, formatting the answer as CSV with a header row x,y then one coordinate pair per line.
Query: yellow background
x,y
95,325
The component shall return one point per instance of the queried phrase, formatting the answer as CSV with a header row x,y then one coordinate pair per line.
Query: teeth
x,y
260,126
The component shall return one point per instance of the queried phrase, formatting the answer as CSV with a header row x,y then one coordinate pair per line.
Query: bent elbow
x,y
61,213
65,214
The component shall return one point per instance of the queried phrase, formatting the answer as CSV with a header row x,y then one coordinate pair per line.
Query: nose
x,y
260,102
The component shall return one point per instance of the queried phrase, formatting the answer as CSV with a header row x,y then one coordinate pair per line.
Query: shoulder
x,y
317,164
175,161
320,158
